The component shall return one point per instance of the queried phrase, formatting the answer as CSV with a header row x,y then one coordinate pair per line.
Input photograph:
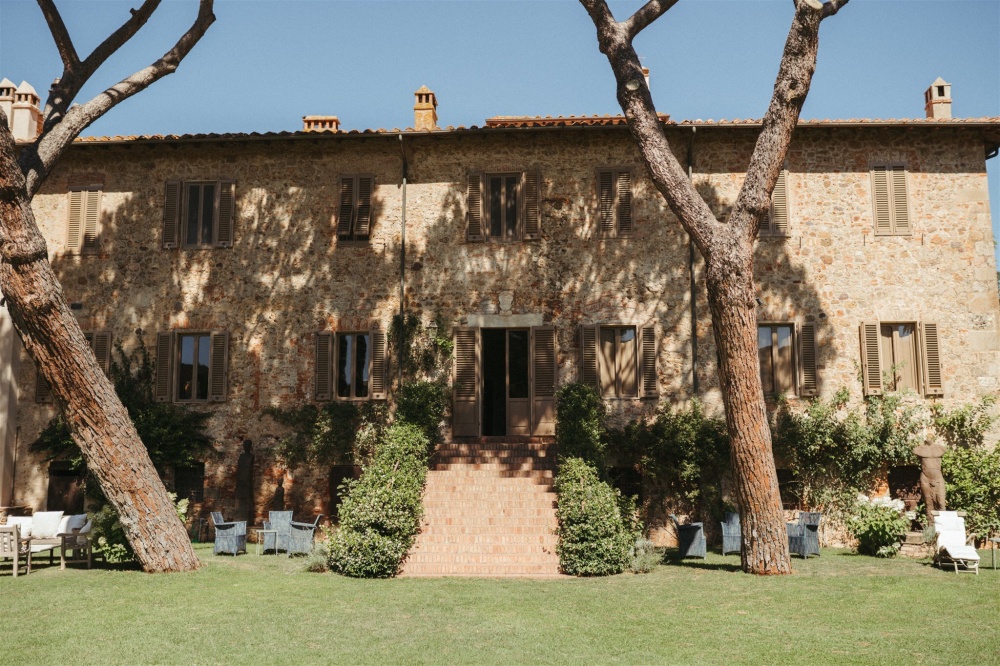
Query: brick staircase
x,y
489,510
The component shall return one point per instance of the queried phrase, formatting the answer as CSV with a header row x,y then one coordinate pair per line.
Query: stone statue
x,y
278,503
244,483
931,479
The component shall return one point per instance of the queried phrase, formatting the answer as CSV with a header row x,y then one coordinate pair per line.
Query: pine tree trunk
x,y
98,421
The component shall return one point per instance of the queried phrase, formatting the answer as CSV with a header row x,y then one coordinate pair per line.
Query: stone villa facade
x,y
265,269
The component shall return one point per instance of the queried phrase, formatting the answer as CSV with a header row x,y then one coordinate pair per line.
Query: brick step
x,y
441,552
481,524
472,489
506,440
497,472
482,570
477,465
914,538
519,462
533,539
465,501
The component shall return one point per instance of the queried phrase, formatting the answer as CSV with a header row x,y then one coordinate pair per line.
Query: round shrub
x,y
579,422
877,525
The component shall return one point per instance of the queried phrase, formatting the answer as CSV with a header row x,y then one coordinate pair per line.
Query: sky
x,y
266,63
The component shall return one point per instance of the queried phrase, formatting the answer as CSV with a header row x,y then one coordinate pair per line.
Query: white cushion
x,y
75,522
63,525
86,528
23,523
45,524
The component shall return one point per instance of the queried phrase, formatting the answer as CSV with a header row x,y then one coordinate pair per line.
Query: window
x,y
896,356
83,224
614,202
620,361
198,214
776,224
354,212
350,365
892,213
189,482
192,366
503,207
787,357
100,344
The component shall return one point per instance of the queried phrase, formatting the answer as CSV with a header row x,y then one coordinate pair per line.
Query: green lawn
x,y
839,608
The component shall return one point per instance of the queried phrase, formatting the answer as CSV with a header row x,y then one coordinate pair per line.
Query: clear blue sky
x,y
265,64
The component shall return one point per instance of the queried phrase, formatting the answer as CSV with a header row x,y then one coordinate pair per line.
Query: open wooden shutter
x,y
532,214
218,367
543,385
164,370
474,215
363,219
606,202
43,392
378,376
589,371
808,379
624,216
900,202
345,211
647,349
100,342
871,359
779,206
74,222
324,365
930,353
91,221
171,213
227,213
465,411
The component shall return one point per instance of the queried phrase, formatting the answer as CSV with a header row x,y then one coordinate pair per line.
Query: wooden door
x,y
518,381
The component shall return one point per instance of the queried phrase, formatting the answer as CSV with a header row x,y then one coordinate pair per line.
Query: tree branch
x,y
833,6
36,160
118,38
64,43
645,15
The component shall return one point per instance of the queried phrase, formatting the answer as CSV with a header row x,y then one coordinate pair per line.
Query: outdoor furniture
x,y
261,535
951,546
803,536
690,539
12,547
300,539
281,523
731,535
51,531
993,551
230,537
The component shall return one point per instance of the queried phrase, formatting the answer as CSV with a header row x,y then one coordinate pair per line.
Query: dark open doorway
x,y
494,381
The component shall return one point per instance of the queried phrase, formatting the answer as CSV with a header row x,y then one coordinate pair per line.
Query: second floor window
x,y
614,202
83,224
350,365
191,366
354,210
503,207
198,214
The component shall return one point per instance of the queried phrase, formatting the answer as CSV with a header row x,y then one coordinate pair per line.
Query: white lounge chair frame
x,y
951,546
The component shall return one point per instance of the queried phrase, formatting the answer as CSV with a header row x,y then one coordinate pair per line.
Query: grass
x,y
838,609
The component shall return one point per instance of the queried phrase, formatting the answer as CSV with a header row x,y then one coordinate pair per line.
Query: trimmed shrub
x,y
423,404
877,525
380,514
645,557
972,479
597,528
579,423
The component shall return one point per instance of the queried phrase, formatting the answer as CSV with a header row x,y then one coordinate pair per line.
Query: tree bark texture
x,y
727,247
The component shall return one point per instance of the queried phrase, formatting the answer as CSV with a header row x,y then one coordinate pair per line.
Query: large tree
x,y
727,248
47,328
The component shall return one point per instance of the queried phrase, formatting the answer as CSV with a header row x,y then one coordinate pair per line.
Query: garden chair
x,y
951,546
300,538
731,535
11,547
230,537
803,536
281,523
690,539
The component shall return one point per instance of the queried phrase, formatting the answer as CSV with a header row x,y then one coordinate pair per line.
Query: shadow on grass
x,y
671,557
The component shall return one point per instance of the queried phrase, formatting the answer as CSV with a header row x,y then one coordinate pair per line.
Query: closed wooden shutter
x,y
345,211
647,347
324,365
474,215
871,362
588,354
808,379
624,203
606,202
532,213
43,391
363,218
227,213
91,222
74,222
163,367
378,376
100,342
171,213
891,200
900,202
465,411
543,385
218,367
779,206
931,355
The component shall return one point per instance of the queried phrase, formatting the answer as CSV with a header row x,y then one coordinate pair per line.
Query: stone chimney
x,y
645,75
320,123
26,117
937,99
425,115
7,88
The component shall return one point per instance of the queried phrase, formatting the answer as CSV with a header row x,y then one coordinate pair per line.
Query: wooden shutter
x,y
226,212
871,361
363,218
43,391
930,353
647,350
606,202
171,213
900,202
808,380
100,342
474,215
74,221
378,372
465,411
588,354
345,211
532,215
543,385
624,203
218,367
779,206
91,221
324,365
164,369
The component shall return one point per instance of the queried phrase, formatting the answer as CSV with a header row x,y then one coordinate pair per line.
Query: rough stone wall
x,y
287,277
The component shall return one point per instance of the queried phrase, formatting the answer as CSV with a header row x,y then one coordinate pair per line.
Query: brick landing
x,y
489,510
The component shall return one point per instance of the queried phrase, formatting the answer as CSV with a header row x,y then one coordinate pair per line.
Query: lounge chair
x,y
281,522
803,536
951,546
731,535
11,547
690,539
300,539
230,537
